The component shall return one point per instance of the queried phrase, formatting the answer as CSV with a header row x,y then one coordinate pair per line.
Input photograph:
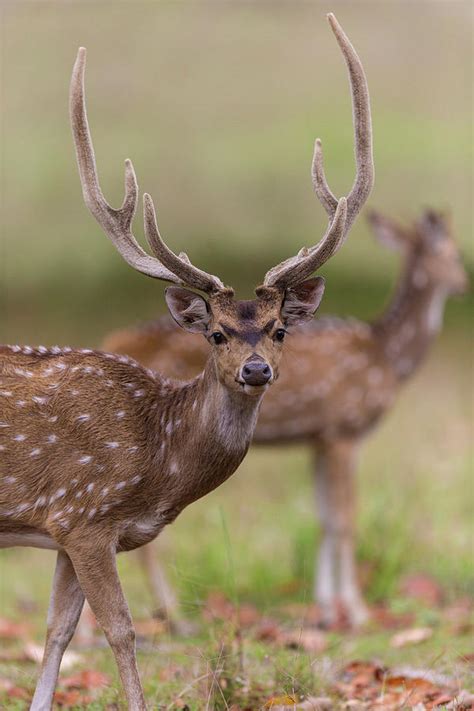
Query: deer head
x,y
430,250
246,336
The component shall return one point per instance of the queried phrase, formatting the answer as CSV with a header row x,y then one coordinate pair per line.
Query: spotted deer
x,y
339,377
99,453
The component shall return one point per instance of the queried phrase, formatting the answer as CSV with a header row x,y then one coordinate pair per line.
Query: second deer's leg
x,y
97,574
336,493
162,593
65,607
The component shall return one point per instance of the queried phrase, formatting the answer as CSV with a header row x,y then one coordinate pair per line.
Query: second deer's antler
x,y
342,213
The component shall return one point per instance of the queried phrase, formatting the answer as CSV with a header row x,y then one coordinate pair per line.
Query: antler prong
x,y
117,223
341,212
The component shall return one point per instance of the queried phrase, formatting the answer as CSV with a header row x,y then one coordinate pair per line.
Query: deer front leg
x,y
336,570
65,607
97,574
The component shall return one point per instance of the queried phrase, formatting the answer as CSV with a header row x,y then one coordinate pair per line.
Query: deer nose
x,y
256,372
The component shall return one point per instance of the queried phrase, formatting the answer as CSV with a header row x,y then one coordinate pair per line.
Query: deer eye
x,y
218,338
280,334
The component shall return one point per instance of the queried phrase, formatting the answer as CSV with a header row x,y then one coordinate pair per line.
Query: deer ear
x,y
301,302
387,231
190,311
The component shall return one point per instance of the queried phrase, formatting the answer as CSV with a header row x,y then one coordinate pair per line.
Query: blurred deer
x,y
98,453
338,378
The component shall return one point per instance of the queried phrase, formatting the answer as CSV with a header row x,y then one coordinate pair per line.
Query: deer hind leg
x,y
336,570
65,607
97,574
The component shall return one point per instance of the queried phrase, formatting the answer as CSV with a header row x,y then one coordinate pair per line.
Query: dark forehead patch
x,y
247,310
248,335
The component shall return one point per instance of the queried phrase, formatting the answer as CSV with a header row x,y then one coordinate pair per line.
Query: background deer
x,y
339,377
98,453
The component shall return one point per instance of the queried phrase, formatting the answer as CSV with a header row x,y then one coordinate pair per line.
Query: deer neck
x,y
214,433
412,320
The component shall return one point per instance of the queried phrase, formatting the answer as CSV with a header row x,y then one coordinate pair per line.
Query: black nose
x,y
256,372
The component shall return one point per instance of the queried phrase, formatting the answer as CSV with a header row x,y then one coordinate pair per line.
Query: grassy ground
x,y
253,540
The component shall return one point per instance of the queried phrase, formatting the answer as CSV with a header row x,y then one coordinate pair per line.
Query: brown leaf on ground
x,y
381,616
311,703
378,688
87,679
248,615
416,635
423,588
13,630
71,699
460,616
310,640
268,631
218,607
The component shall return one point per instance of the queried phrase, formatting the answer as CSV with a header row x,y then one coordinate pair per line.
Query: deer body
x,y
338,378
97,440
97,453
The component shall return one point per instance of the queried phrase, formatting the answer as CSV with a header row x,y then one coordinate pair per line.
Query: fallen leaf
x,y
13,630
73,698
218,607
411,636
423,588
87,679
311,640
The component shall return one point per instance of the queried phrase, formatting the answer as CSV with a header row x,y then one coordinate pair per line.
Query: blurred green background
x,y
218,105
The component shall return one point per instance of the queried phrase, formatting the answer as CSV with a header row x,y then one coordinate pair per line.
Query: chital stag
x,y
339,377
98,453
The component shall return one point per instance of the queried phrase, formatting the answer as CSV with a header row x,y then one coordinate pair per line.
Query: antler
x,y
342,213
117,223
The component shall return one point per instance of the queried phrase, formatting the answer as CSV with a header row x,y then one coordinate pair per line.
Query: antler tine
x,y
364,179
341,212
117,223
177,264
296,269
